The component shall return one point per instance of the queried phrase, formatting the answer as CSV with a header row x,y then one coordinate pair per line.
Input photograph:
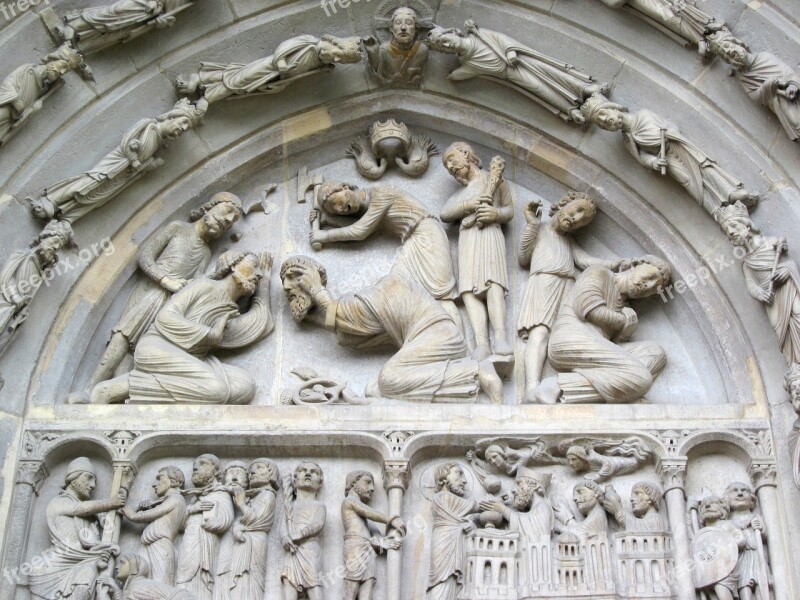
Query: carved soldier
x,y
454,516
304,521
557,86
552,256
590,344
78,555
293,59
210,516
174,256
135,155
24,91
751,570
172,361
645,504
771,276
765,77
99,27
677,17
424,256
256,506
24,273
431,365
360,545
165,518
658,146
401,60
482,207
589,498
133,573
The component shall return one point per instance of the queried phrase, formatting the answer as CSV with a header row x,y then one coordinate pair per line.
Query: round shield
x,y
715,554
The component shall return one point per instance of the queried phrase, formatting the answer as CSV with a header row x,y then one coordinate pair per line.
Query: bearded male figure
x,y
164,517
210,516
589,498
766,79
454,517
78,555
173,361
558,87
23,91
304,520
424,256
660,147
590,344
170,259
360,545
293,59
643,517
135,155
431,364
553,257
401,60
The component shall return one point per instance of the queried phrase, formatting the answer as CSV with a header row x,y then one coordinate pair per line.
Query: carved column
x,y
672,472
763,474
395,481
31,474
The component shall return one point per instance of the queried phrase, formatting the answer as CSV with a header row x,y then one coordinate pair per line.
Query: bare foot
x,y
501,347
490,382
548,392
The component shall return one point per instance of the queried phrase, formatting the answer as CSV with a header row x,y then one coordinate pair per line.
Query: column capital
x,y
396,474
32,473
672,472
763,472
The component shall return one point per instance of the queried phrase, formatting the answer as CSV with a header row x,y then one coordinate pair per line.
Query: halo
x,y
427,485
383,16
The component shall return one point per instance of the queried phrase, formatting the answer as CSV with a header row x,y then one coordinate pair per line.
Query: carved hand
x,y
757,523
265,262
659,163
492,505
487,214
766,297
173,285
218,331
288,544
386,543
164,21
533,212
469,527
370,40
117,501
470,206
792,91
318,237
781,275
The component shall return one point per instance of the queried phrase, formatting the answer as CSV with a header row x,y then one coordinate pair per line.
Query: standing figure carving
x,y
771,276
454,517
78,556
210,516
401,60
766,79
164,518
424,256
135,155
256,508
751,569
643,516
360,545
100,27
234,477
24,273
791,384
170,259
590,344
431,365
173,361
482,207
24,90
558,87
660,147
552,256
304,520
134,582
294,59
678,18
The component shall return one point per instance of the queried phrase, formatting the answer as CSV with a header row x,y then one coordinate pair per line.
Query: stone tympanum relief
x,y
295,59
99,27
402,59
24,91
74,198
173,363
590,345
431,364
133,580
557,86
391,142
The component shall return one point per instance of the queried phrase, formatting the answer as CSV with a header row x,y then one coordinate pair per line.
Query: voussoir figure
x,y
557,86
293,59
590,344
401,60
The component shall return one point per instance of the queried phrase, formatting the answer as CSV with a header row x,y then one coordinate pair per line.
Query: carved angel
x,y
506,456
600,460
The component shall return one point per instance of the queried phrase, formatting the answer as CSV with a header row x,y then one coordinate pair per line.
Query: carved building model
x,y
401,300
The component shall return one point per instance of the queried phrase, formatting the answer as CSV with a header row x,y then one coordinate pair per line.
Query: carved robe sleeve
x,y
148,254
365,226
219,519
527,243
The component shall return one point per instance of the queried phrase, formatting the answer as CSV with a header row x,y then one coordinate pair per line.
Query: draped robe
x,y
535,527
249,556
200,545
24,85
676,16
141,588
158,538
431,365
763,77
21,271
303,569
450,514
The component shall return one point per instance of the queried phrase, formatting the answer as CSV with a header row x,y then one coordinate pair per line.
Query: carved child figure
x,y
360,545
